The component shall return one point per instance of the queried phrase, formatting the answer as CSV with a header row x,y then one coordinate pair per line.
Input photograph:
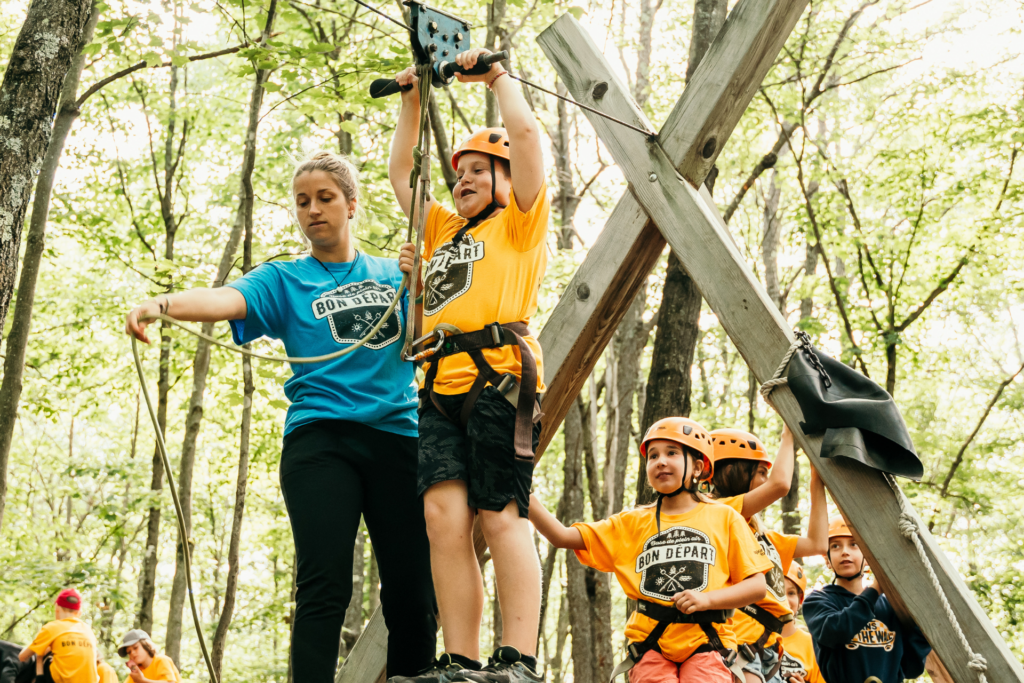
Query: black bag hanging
x,y
859,419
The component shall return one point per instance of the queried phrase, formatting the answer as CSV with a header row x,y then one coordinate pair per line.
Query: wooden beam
x,y
762,336
368,657
628,247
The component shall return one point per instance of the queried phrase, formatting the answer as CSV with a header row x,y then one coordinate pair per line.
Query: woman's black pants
x,y
333,472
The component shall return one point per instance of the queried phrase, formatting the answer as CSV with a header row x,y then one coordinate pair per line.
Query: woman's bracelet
x,y
164,307
490,84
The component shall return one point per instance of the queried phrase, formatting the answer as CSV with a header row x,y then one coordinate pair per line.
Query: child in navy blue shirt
x,y
855,630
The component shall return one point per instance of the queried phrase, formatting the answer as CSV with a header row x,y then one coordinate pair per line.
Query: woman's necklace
x,y
353,267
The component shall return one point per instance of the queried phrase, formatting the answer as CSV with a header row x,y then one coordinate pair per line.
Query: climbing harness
x,y
772,624
522,393
667,615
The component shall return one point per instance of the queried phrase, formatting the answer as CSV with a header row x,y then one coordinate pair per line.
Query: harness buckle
x,y
428,352
496,331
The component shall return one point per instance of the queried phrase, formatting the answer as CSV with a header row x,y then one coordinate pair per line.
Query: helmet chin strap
x,y
681,489
484,213
844,578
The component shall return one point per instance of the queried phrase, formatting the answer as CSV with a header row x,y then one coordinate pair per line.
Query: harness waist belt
x,y
770,622
522,394
672,615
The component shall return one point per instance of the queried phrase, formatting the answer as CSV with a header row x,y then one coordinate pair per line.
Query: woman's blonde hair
x,y
341,170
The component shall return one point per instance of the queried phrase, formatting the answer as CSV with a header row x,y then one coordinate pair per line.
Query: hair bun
x,y
322,154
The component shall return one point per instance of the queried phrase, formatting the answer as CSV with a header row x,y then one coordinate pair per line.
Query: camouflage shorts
x,y
482,454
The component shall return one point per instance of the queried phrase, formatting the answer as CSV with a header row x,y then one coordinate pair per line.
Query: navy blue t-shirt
x,y
300,303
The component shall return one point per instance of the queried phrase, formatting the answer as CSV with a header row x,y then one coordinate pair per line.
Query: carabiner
x,y
426,353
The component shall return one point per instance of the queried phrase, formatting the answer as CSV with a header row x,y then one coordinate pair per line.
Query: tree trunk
x,y
147,577
810,266
668,385
561,633
201,363
353,624
374,577
628,344
495,15
567,200
444,148
790,505
220,636
770,234
35,242
892,339
576,578
48,42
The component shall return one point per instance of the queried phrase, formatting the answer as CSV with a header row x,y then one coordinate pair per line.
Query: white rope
x,y
909,528
777,379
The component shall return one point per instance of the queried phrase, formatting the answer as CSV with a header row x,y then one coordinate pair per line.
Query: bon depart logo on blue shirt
x,y
316,309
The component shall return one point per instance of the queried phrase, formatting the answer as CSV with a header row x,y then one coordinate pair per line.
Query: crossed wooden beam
x,y
663,205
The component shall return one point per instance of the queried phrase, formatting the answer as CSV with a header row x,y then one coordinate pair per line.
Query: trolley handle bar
x,y
383,87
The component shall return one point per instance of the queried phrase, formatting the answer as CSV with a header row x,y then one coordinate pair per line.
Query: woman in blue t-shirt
x,y
350,434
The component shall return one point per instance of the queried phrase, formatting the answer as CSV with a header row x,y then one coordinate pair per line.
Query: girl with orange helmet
x,y
798,662
484,263
747,480
687,561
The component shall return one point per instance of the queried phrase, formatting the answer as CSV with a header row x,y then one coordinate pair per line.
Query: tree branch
x,y
958,460
142,65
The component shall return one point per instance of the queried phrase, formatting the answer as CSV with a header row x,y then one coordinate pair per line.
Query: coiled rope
x,y
907,524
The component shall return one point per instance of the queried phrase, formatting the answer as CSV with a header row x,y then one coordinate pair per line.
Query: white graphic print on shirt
x,y
776,577
675,560
450,273
792,666
353,309
875,634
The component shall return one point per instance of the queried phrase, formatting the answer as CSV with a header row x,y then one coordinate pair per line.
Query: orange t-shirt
x,y
703,550
779,548
798,657
106,673
160,669
492,276
74,650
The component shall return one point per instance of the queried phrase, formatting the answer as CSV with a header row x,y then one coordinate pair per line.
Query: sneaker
x,y
443,670
506,665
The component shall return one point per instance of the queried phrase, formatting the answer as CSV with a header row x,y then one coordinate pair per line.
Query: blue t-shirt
x,y
300,303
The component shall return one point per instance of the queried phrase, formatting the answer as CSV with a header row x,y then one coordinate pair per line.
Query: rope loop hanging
x,y
911,530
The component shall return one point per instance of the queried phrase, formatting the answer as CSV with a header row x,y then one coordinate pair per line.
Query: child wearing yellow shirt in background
x,y
798,662
687,561
71,642
742,481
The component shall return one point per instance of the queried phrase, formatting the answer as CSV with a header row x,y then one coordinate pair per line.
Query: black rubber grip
x,y
483,65
383,87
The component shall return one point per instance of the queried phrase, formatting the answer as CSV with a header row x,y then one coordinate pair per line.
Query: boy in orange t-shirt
x,y
478,419
687,561
71,642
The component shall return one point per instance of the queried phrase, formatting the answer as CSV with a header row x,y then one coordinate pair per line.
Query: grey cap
x,y
130,638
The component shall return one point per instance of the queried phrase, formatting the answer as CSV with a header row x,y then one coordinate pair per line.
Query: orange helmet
x,y
837,527
685,431
797,576
736,444
493,141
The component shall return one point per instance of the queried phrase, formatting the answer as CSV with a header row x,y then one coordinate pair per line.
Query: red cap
x,y
70,599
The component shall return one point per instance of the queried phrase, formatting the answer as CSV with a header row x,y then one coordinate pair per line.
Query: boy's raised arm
x,y
525,157
550,528
402,142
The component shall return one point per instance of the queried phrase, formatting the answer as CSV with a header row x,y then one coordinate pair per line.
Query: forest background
x,y
874,185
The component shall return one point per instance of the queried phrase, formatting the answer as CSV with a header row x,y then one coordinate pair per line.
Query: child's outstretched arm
x,y
816,540
746,592
779,480
550,528
402,142
526,159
